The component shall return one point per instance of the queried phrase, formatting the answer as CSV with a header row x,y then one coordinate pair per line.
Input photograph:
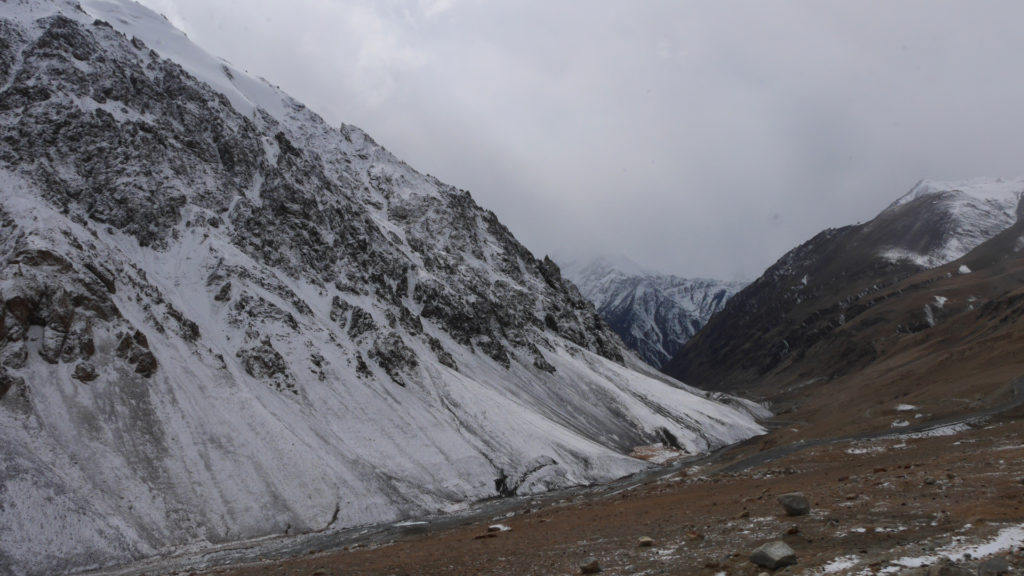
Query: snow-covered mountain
x,y
795,309
968,213
224,319
654,314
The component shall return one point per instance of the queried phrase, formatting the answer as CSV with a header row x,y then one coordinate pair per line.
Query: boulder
x,y
774,555
590,566
795,504
996,566
85,372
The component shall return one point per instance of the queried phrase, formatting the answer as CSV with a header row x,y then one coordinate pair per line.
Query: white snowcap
x,y
984,189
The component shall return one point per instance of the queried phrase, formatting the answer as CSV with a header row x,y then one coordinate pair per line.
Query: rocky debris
x,y
773,555
8,381
396,358
266,363
224,294
135,349
795,504
443,356
645,542
590,566
995,566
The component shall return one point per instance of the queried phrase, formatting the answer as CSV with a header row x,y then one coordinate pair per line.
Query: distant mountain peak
x,y
997,190
654,314
959,215
803,300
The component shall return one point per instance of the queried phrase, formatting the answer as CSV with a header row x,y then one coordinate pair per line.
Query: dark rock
x,y
104,277
262,361
146,364
224,294
141,339
645,542
85,372
14,355
590,566
443,356
774,555
8,381
394,356
995,566
795,504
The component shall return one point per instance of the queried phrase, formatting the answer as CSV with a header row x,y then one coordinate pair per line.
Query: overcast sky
x,y
697,138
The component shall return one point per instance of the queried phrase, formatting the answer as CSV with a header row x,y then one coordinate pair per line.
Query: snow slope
x,y
969,212
221,318
654,314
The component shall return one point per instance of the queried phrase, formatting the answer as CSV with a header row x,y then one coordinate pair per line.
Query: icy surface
x,y
223,319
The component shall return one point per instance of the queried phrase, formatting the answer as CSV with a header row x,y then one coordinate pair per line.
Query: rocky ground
x,y
940,502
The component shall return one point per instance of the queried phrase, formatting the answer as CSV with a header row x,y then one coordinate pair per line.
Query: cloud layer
x,y
701,138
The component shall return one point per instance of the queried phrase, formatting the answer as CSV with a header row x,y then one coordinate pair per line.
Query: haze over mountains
x,y
224,319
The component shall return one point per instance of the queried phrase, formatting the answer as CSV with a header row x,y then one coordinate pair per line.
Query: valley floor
x,y
878,506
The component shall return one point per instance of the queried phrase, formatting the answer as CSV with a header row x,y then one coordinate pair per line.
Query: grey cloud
x,y
702,138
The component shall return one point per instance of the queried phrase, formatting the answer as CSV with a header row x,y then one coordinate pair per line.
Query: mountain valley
x,y
654,314
236,340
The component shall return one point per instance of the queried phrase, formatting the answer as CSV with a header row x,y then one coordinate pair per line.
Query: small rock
x,y
795,504
946,567
929,481
645,542
774,555
590,566
744,514
85,372
693,535
793,530
996,566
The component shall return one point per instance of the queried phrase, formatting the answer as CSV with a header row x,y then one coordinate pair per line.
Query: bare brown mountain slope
x,y
802,318
946,340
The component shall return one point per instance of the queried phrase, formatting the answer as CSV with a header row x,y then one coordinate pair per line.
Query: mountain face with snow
x,y
654,314
222,319
799,304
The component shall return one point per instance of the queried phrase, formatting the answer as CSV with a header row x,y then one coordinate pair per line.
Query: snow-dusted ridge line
x,y
223,319
969,212
654,314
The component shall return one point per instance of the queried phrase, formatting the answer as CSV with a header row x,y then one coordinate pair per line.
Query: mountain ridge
x,y
808,294
654,314
223,321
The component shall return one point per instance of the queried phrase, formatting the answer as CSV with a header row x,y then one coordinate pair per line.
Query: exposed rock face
x,y
207,297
